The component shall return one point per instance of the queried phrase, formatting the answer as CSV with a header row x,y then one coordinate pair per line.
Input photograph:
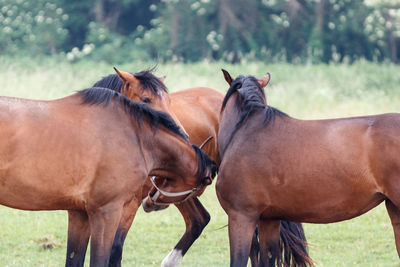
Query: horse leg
x,y
268,231
78,238
196,218
128,214
103,225
394,214
241,230
255,249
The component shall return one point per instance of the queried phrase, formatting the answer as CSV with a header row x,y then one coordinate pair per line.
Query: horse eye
x,y
239,85
146,100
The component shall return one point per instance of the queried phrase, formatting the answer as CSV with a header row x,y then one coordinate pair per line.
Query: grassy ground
x,y
308,92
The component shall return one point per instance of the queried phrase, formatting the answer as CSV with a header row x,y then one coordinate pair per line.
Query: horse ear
x,y
227,76
162,79
124,76
264,80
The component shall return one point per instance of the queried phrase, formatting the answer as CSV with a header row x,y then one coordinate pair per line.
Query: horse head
x,y
160,196
142,87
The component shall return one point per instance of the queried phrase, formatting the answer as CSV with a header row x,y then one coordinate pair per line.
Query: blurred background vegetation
x,y
119,31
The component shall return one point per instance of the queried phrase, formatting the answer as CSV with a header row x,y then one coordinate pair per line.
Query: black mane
x,y
146,78
155,118
203,162
251,97
111,81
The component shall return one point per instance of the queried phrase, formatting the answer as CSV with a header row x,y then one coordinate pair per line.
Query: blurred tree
x,y
190,30
31,27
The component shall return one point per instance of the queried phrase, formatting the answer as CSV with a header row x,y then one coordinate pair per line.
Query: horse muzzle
x,y
149,206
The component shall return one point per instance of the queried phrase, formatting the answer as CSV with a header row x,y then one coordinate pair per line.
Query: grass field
x,y
303,91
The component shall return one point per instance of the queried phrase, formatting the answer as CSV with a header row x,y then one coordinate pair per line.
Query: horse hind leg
x,y
394,214
268,232
255,250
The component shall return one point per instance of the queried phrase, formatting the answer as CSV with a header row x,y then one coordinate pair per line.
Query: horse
x,y
197,109
90,153
275,167
205,102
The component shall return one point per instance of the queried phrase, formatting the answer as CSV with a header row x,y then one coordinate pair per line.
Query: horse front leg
x,y
78,238
128,214
241,231
103,226
394,215
196,218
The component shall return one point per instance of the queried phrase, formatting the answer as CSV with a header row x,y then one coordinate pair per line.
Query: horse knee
x,y
197,227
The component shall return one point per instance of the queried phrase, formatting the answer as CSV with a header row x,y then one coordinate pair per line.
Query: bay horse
x,y
90,153
197,109
275,167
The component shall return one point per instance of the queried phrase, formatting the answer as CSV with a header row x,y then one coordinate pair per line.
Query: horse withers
x,y
90,153
275,167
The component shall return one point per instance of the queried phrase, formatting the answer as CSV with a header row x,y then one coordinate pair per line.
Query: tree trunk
x,y
108,13
99,11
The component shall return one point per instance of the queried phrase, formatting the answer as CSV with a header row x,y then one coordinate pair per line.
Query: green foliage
x,y
296,31
103,45
31,27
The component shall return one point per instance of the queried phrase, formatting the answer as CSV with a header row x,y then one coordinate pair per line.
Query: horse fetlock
x,y
173,258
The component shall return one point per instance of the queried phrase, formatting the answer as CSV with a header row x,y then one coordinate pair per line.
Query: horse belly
x,y
32,191
36,176
325,201
329,212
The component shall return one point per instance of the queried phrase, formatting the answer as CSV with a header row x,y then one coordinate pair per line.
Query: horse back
x,y
353,162
198,110
59,150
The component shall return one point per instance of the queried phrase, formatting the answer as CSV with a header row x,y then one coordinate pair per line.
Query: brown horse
x,y
90,154
275,167
198,110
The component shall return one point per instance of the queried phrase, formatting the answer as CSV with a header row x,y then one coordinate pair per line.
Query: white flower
x,y
195,5
70,56
153,7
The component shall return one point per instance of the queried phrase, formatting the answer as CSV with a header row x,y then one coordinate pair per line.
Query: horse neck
x,y
228,119
167,153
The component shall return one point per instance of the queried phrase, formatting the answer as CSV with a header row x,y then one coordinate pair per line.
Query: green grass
x,y
304,91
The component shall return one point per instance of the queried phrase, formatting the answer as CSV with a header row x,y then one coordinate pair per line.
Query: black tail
x,y
292,249
293,246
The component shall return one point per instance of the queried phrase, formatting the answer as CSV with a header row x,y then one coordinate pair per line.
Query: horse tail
x,y
293,246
